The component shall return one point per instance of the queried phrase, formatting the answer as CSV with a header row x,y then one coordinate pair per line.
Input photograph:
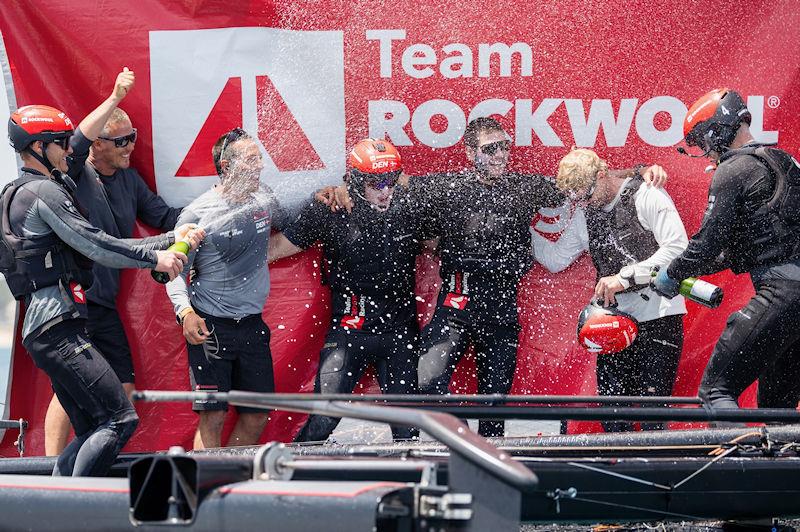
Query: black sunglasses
x,y
122,141
381,181
491,149
62,142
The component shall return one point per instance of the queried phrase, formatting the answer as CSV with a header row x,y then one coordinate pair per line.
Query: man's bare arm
x,y
280,247
92,125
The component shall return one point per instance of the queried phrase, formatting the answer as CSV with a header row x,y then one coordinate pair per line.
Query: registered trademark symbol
x,y
773,102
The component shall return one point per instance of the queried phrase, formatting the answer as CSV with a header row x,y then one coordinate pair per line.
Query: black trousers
x,y
647,368
91,394
760,341
108,335
346,356
445,340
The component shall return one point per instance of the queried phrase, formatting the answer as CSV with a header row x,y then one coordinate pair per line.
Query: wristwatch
x,y
182,315
628,274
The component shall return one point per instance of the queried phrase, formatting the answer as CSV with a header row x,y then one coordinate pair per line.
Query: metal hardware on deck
x,y
21,425
559,494
450,506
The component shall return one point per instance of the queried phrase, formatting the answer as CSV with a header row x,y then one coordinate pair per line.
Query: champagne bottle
x,y
702,292
694,289
182,246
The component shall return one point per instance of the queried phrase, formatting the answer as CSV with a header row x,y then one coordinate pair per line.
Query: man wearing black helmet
x,y
370,254
751,224
43,250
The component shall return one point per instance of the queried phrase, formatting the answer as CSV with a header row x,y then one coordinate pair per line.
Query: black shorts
x,y
235,357
107,334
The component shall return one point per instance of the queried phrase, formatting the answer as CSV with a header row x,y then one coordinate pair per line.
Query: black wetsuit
x,y
113,203
369,258
55,321
762,340
485,249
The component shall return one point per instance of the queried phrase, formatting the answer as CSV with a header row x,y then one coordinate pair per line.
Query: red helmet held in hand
x,y
606,330
38,122
713,120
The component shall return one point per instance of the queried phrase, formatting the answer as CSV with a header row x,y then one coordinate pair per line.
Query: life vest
x,y
770,234
30,264
617,238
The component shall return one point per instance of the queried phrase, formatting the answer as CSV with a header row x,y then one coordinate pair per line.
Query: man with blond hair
x,y
628,227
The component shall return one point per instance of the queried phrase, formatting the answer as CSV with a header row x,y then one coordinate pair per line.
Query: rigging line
x,y
706,466
629,507
598,470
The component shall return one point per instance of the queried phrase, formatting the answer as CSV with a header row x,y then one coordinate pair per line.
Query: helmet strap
x,y
58,176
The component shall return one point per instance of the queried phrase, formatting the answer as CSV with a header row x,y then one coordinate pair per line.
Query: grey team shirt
x,y
231,278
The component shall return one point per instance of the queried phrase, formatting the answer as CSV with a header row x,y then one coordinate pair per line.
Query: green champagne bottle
x,y
694,289
702,292
181,246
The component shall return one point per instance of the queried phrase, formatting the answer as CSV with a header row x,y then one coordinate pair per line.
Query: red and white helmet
x,y
375,156
28,124
606,330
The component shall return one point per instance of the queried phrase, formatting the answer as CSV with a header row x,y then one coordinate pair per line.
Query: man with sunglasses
x,y
114,195
370,254
481,217
751,224
220,309
628,228
44,245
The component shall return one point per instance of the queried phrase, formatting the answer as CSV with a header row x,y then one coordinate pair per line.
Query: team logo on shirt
x,y
78,294
261,219
458,289
355,310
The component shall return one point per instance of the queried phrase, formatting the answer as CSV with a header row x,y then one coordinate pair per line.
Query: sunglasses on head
x,y
123,140
491,149
381,181
232,136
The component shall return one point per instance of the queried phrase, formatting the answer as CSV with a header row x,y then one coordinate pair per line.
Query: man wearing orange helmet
x,y
370,254
751,224
43,250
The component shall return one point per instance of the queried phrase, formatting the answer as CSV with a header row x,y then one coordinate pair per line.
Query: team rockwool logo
x,y
285,87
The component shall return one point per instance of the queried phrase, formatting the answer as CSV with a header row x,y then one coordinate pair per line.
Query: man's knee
x,y
126,424
253,421
211,420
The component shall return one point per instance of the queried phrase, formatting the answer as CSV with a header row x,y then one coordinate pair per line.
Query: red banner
x,y
312,78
